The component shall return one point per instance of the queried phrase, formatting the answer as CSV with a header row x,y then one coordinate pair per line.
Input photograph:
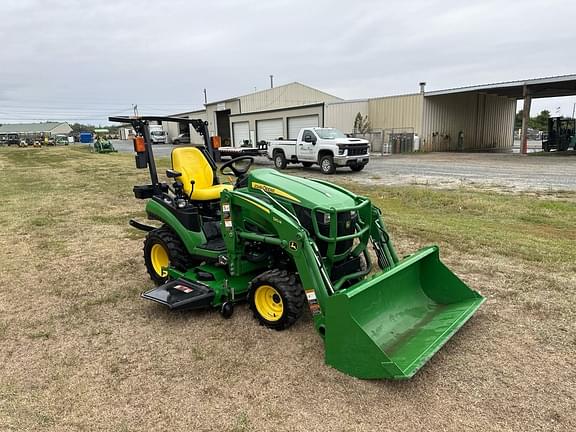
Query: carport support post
x,y
525,120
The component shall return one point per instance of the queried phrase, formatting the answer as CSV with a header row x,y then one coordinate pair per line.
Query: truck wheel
x,y
163,248
357,167
327,165
276,299
307,164
280,160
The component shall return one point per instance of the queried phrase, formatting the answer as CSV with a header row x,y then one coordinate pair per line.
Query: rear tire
x,y
175,142
163,248
327,165
307,164
280,160
276,299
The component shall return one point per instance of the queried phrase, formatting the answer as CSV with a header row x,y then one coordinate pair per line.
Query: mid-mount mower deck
x,y
283,242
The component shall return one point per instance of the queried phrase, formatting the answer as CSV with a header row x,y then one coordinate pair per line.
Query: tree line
x,y
540,122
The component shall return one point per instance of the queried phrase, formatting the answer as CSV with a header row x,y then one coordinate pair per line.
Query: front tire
x,y
276,299
280,160
327,165
163,248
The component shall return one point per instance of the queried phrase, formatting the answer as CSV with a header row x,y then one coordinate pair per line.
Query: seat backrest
x,y
193,165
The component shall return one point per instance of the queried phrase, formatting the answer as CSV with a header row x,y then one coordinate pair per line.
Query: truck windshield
x,y
157,133
329,133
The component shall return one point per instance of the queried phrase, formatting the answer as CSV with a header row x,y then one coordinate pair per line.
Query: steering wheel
x,y
238,169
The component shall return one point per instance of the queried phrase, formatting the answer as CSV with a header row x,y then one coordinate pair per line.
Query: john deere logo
x,y
348,223
293,245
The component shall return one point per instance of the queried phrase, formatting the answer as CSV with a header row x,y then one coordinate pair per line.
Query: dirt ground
x,y
81,352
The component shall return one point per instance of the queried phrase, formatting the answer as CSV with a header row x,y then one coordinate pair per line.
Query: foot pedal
x,y
181,294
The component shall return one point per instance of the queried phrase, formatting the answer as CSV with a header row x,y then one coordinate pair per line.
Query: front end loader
x,y
286,244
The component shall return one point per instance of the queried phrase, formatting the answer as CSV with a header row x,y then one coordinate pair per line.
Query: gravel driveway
x,y
511,172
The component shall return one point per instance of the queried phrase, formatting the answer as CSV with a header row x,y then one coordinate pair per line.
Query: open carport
x,y
482,117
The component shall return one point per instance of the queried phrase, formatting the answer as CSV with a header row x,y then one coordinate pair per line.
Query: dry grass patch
x,y
81,351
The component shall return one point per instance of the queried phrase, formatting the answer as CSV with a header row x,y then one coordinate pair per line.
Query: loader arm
x,y
241,211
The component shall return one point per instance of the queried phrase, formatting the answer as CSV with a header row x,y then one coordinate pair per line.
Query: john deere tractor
x,y
286,245
101,142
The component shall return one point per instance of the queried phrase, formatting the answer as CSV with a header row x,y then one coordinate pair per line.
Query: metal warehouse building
x,y
269,114
478,118
35,129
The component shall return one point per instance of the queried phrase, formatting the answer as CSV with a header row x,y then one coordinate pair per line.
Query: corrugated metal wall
x,y
341,115
289,95
467,121
396,112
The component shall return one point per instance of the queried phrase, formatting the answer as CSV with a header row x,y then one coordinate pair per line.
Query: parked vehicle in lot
x,y
158,135
181,139
61,140
13,139
327,147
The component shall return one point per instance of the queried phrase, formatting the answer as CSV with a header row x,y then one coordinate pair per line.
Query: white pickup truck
x,y
328,147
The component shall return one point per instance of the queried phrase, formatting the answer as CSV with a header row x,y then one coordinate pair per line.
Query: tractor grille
x,y
346,226
357,150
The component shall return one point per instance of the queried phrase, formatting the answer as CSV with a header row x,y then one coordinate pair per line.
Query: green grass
x,y
81,351
532,229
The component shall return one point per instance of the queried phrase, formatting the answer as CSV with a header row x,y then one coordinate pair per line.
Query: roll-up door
x,y
241,132
297,123
267,130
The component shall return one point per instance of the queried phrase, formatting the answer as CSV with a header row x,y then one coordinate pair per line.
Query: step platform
x,y
181,294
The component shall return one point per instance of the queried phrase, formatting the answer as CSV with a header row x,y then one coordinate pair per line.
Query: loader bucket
x,y
390,325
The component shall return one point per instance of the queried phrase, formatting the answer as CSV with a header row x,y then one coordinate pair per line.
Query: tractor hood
x,y
297,190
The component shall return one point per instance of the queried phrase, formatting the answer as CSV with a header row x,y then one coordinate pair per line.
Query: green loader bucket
x,y
390,325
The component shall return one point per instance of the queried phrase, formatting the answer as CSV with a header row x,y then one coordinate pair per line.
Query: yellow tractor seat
x,y
193,165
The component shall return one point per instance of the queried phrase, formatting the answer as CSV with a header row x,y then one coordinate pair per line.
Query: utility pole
x,y
135,109
574,110
205,97
271,81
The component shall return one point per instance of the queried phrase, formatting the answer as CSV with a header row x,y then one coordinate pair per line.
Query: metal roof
x,y
563,85
29,127
266,90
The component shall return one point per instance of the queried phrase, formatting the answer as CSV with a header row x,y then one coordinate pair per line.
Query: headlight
x,y
324,218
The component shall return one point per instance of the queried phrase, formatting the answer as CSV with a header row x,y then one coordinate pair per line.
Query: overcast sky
x,y
83,60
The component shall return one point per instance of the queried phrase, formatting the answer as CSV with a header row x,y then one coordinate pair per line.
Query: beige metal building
x,y
261,116
341,115
465,121
32,129
478,118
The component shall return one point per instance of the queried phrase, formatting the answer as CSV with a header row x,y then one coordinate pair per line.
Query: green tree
x,y
518,119
361,124
539,122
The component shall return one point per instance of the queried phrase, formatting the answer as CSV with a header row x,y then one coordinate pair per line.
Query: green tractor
x,y
101,142
286,244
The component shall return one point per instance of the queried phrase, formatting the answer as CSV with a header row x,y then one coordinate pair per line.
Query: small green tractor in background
x,y
286,244
101,142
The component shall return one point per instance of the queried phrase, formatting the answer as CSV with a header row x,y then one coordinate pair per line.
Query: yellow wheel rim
x,y
159,258
268,303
